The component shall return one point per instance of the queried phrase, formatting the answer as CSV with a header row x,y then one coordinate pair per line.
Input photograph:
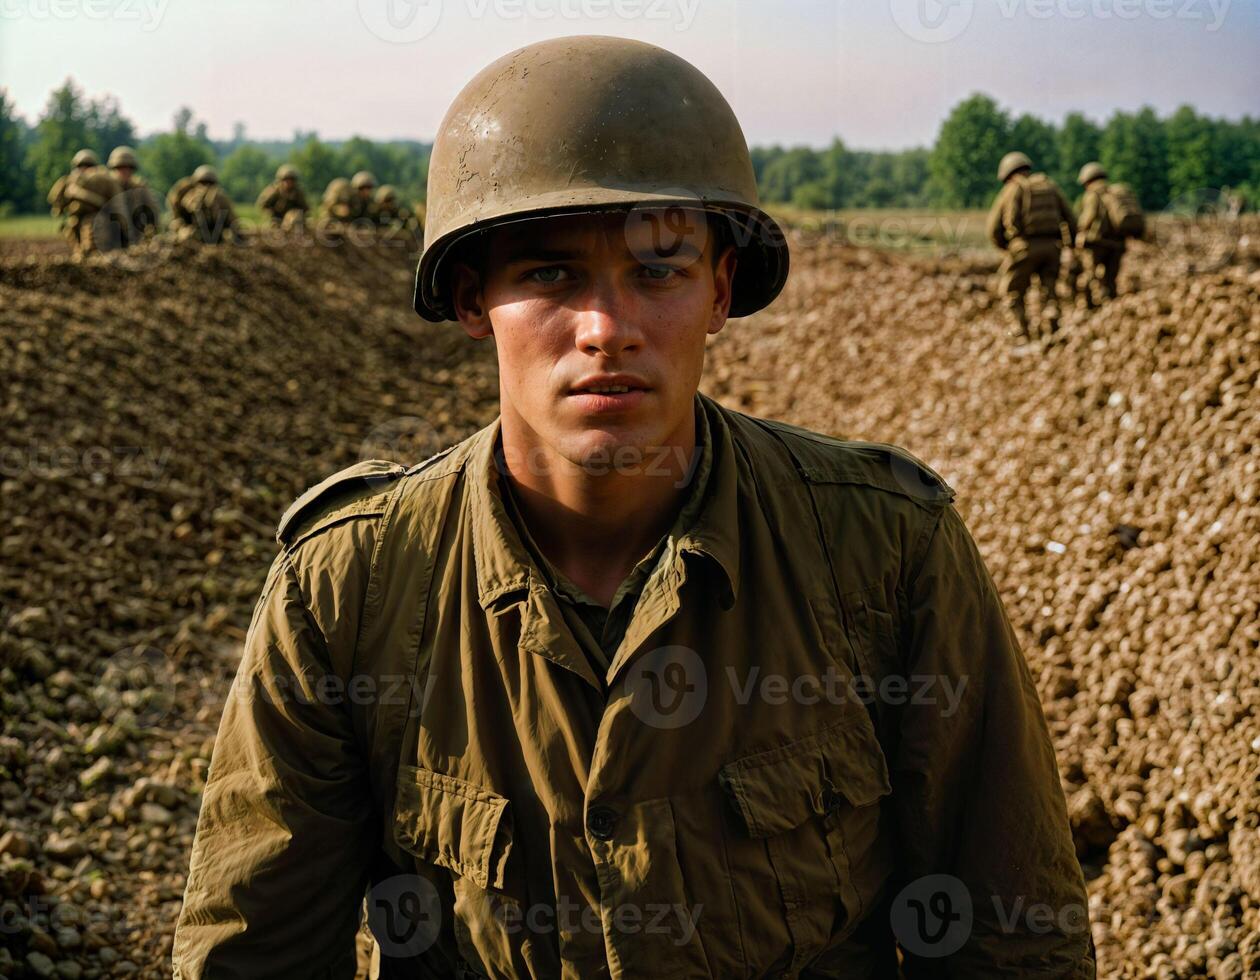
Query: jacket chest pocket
x,y
808,828
466,829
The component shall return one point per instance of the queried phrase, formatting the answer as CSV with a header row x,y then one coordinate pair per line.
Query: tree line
x,y
1165,160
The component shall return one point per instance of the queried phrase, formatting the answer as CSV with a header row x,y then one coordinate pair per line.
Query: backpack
x,y
1124,212
1038,215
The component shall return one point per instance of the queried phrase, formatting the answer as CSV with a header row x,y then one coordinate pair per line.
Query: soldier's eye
x,y
549,275
659,273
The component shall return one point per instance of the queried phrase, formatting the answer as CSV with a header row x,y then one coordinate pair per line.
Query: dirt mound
x,y
157,423
1113,484
160,416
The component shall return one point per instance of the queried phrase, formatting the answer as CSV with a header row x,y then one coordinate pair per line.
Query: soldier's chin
x,y
604,451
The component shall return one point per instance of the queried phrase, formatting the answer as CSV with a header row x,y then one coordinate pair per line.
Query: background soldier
x,y
206,212
395,219
138,206
363,184
180,217
1110,213
79,197
335,207
283,200
1028,221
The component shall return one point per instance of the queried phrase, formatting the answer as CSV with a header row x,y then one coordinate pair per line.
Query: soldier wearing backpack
x,y
87,193
1110,215
1031,221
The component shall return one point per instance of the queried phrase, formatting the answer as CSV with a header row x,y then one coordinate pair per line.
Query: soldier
x,y
180,217
363,184
205,210
515,693
79,198
284,201
138,207
1028,221
1109,215
347,204
395,219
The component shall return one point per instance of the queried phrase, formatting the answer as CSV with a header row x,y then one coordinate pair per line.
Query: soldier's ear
x,y
468,298
723,286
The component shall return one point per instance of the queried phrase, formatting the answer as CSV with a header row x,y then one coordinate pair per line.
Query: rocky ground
x,y
159,417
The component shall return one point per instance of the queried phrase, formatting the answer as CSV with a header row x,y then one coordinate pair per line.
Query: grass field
x,y
46,226
897,229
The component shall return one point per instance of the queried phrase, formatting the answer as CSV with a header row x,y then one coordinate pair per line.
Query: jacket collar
x,y
503,564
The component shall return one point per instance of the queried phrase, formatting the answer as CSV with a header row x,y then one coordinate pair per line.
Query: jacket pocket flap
x,y
454,824
780,788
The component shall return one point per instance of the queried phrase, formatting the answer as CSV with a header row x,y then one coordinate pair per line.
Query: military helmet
x,y
362,179
84,158
123,156
1090,172
285,171
581,124
1012,162
205,174
386,192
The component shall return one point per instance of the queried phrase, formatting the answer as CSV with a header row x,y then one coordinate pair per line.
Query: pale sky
x,y
879,73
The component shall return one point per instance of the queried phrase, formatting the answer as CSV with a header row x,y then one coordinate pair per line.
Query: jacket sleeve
x,y
1068,216
284,839
976,789
995,225
1089,218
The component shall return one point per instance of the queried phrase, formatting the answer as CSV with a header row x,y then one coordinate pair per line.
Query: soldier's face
x,y
125,174
600,324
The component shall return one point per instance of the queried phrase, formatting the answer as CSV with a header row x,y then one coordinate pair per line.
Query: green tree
x,y
245,172
1079,142
909,174
318,165
62,131
762,157
1039,139
1134,150
108,127
1192,153
789,171
167,157
964,160
17,182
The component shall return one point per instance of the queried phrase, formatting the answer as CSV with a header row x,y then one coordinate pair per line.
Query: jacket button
x,y
601,821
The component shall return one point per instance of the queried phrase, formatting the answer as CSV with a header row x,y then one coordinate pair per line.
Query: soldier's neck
x,y
595,524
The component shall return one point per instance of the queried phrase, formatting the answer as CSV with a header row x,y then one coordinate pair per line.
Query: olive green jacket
x,y
276,202
1094,228
413,719
1007,223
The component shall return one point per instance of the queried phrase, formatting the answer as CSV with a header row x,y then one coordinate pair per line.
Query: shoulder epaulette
x,y
824,459
356,490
